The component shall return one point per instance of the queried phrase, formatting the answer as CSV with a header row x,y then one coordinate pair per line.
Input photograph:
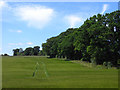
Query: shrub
x,y
118,61
109,65
93,61
105,64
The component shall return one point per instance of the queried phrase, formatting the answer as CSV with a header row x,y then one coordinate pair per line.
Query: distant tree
x,y
36,50
41,53
15,52
5,54
1,55
97,40
28,51
48,47
20,50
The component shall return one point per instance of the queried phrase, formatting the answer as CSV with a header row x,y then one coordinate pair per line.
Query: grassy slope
x,y
17,73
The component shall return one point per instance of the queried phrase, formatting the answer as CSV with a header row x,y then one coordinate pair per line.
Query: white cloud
x,y
105,7
73,20
35,16
2,4
17,31
29,43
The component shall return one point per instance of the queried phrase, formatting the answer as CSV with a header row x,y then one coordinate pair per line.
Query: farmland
x,y
54,73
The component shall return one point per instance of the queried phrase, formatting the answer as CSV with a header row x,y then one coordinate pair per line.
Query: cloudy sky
x,y
32,23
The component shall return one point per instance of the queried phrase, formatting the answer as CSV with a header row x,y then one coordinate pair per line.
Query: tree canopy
x,y
27,52
97,40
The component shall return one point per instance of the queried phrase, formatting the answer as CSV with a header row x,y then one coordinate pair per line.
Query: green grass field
x,y
54,73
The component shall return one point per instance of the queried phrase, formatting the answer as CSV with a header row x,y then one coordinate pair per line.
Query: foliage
x,y
97,40
41,53
15,52
4,54
36,50
109,65
27,52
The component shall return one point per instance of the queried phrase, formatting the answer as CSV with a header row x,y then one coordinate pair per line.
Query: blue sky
x,y
31,24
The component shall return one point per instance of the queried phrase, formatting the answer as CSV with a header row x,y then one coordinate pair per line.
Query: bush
x,y
109,65
118,61
105,64
81,59
93,62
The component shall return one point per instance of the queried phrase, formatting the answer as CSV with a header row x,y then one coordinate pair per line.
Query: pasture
x,y
17,72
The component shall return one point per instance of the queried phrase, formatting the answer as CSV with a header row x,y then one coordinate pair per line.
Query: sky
x,y
29,24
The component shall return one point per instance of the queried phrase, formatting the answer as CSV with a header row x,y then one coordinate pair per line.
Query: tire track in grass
x,y
45,70
36,68
38,65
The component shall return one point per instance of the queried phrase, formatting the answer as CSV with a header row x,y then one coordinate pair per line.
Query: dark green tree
x,y
36,50
28,51
15,52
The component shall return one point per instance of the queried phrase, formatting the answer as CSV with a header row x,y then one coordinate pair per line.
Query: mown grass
x,y
54,73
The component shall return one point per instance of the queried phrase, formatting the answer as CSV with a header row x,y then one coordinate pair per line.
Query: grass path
x,y
54,73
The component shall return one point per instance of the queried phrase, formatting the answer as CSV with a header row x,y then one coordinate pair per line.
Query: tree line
x,y
35,51
96,41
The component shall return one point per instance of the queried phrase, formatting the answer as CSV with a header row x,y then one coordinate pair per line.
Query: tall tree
x,y
36,50
28,51
15,52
